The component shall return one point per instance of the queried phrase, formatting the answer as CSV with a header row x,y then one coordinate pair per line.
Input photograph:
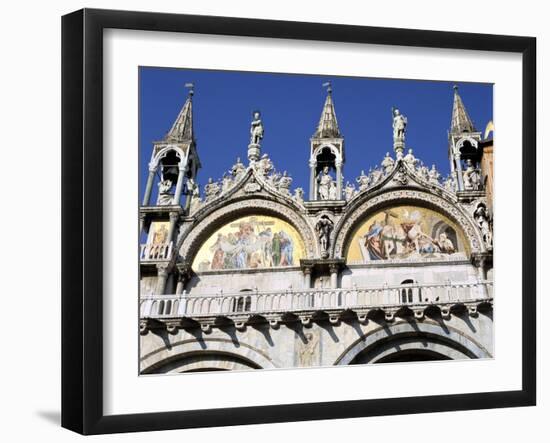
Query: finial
x,y
328,85
191,87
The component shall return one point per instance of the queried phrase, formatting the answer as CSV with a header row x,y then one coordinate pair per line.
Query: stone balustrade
x,y
155,252
273,305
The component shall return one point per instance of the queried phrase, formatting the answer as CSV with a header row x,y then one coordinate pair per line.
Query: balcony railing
x,y
153,252
269,302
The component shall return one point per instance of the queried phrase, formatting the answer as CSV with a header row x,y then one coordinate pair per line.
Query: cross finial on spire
x,y
182,129
328,125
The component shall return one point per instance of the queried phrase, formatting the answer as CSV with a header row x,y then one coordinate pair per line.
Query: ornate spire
x,y
460,121
182,129
328,125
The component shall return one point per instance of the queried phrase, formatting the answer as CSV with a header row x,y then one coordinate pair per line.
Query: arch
x,y
319,149
199,231
198,354
369,204
425,336
164,152
462,142
205,361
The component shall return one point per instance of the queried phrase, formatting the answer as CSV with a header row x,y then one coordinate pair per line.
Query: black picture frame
x,y
82,218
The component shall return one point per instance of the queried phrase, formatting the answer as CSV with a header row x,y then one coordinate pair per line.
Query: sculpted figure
x,y
299,195
410,159
363,180
399,125
211,189
434,175
284,183
325,181
265,165
256,129
482,218
471,177
324,227
349,191
238,169
195,198
449,184
387,163
164,197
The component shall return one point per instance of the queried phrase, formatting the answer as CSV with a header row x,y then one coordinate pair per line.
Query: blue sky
x,y
291,105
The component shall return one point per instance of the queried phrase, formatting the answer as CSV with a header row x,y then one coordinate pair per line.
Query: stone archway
x,y
209,354
389,342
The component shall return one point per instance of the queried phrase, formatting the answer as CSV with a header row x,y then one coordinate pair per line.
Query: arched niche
x,y
251,242
365,207
405,232
199,232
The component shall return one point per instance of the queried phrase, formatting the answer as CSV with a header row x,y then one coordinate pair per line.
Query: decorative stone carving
x,y
211,189
349,191
401,176
424,172
252,186
376,175
227,182
238,169
449,184
195,198
284,183
434,175
471,177
299,195
165,197
482,218
387,164
324,227
363,180
265,166
410,159
308,351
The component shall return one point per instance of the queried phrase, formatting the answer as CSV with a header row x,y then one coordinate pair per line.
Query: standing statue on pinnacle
x,y
256,129
399,125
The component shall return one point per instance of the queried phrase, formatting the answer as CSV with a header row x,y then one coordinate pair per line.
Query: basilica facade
x,y
247,272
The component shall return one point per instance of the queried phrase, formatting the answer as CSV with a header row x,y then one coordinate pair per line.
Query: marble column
x,y
174,216
161,280
312,181
307,278
339,180
460,178
333,276
149,187
179,184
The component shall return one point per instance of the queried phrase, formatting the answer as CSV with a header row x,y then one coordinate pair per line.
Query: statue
x,y
424,172
195,198
387,163
449,184
434,175
238,169
164,197
471,177
211,189
410,159
324,228
399,125
349,191
363,180
256,129
376,175
482,218
265,165
284,183
227,182
299,195
325,183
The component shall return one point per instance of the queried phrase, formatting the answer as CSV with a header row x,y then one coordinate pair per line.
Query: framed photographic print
x,y
270,221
